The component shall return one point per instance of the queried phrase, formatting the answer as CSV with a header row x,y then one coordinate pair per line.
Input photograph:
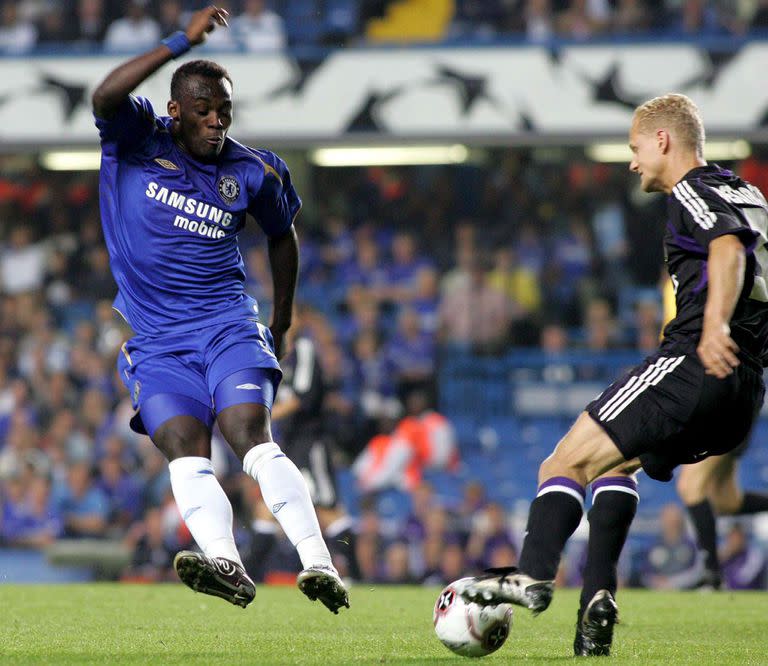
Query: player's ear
x,y
662,140
173,109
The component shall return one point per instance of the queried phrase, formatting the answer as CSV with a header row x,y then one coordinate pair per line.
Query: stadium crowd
x,y
264,25
399,266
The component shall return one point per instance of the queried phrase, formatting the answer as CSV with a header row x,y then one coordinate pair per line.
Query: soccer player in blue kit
x,y
174,193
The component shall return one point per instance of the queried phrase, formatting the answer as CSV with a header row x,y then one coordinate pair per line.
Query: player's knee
x,y
245,426
258,456
177,440
559,465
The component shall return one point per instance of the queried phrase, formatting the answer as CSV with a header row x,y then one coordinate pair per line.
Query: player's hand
x,y
717,350
205,21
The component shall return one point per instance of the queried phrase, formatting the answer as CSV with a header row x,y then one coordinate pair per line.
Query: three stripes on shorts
x,y
624,397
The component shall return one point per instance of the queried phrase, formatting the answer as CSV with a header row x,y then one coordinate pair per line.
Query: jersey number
x,y
758,221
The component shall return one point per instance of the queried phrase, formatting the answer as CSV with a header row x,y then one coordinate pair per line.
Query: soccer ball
x,y
467,628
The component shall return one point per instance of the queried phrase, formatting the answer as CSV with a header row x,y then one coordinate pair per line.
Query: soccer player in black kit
x,y
696,397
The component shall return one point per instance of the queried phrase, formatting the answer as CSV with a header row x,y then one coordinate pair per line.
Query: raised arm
x,y
120,82
725,267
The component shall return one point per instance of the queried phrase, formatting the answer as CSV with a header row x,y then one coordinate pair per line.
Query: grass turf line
x,y
167,624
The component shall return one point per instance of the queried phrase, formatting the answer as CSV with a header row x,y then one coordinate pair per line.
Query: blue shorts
x,y
199,373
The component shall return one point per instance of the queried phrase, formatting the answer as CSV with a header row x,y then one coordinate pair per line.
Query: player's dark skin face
x,y
202,116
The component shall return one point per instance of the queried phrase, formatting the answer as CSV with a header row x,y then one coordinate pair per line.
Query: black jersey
x,y
302,378
707,203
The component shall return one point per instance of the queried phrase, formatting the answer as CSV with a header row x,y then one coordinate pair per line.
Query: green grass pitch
x,y
169,624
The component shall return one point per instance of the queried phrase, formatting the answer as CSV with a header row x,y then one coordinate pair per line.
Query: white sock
x,y
286,495
204,506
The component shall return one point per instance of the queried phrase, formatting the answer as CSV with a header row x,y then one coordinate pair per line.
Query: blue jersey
x,y
171,222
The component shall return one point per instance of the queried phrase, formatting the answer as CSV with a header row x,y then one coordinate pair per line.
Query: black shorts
x,y
313,458
667,411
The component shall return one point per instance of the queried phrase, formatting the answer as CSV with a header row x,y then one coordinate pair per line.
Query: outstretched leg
x,y
582,455
247,429
206,510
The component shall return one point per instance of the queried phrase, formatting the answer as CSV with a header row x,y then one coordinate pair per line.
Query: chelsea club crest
x,y
229,189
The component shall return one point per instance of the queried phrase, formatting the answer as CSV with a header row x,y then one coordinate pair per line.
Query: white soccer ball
x,y
467,628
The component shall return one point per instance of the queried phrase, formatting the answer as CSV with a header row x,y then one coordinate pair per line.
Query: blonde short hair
x,y
676,113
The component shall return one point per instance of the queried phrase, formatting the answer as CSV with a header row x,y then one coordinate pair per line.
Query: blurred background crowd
x,y
262,25
403,269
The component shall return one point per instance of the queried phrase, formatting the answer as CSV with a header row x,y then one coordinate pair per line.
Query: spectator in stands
x,y
403,272
412,355
518,282
157,481
426,299
646,323
101,284
88,23
83,506
373,380
529,249
600,327
490,540
16,35
759,20
170,17
611,243
367,271
476,314
153,550
22,263
369,542
123,492
259,281
52,28
583,19
339,244
259,28
364,314
459,276
396,567
453,564
136,30
437,533
743,564
539,21
27,519
672,563
472,503
569,270
57,283
487,19
697,17
396,457
96,418
630,16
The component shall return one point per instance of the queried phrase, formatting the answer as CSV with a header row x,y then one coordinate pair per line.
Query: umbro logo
x,y
278,506
248,387
166,164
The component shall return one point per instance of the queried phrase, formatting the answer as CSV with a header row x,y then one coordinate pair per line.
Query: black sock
x,y
753,503
554,516
614,503
343,545
262,544
704,524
